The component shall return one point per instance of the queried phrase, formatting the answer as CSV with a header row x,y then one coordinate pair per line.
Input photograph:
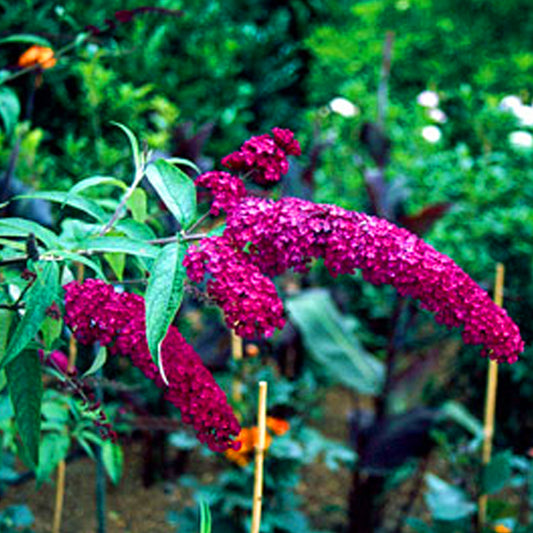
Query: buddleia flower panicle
x,y
95,312
264,157
248,298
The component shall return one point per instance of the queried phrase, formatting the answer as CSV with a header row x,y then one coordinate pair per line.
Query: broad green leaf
x,y
497,473
113,459
83,204
121,244
98,362
39,297
94,181
138,205
136,152
164,294
117,262
25,390
54,448
6,318
9,109
447,502
20,227
27,38
176,190
51,330
332,344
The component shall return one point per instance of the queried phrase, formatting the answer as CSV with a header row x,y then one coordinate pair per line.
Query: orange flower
x,y
500,528
278,426
252,350
37,55
249,438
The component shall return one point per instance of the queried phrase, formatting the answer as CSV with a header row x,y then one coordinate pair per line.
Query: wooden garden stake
x,y
62,466
60,496
490,401
259,458
237,354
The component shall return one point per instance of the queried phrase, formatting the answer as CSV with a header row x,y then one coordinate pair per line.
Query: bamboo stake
x,y
490,401
62,467
237,354
60,494
259,458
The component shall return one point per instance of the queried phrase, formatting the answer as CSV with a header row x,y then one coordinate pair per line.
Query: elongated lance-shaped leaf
x,y
331,343
136,152
73,200
54,448
39,297
121,245
164,294
9,109
20,227
176,190
94,181
98,362
113,459
28,38
25,390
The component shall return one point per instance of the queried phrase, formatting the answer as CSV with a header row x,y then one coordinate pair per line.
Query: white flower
x,y
343,107
521,139
524,113
438,115
428,99
510,103
432,134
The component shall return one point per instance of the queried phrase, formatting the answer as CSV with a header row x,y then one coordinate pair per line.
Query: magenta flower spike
x,y
96,312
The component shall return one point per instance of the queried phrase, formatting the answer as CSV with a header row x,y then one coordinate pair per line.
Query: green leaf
x,y
113,459
51,329
123,245
331,343
460,415
137,203
136,152
9,109
164,294
183,162
20,227
497,473
87,206
94,181
135,230
25,390
54,448
39,297
98,362
176,190
6,318
205,517
447,502
72,256
27,38
117,262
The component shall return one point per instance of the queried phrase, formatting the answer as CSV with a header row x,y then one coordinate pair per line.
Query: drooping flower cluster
x,y
290,232
227,190
96,312
264,156
248,298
